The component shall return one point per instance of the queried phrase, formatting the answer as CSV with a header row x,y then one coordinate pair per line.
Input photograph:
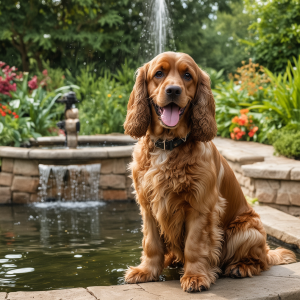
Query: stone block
x,y
292,188
7,165
274,184
107,166
128,182
130,193
264,192
26,167
295,173
34,198
25,184
121,151
283,198
294,210
114,195
268,171
6,178
112,181
5,195
119,166
21,198
62,294
14,152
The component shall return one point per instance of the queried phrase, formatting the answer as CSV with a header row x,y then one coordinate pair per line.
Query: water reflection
x,y
52,246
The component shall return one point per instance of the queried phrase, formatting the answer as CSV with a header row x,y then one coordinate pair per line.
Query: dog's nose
x,y
173,90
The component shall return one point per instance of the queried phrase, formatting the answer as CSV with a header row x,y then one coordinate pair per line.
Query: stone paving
x,y
280,282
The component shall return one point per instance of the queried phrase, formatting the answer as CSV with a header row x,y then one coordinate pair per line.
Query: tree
x,y
276,33
65,31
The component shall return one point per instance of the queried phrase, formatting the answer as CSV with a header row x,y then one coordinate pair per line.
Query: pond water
x,y
75,244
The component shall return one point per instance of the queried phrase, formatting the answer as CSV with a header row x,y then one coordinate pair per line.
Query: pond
x,y
75,244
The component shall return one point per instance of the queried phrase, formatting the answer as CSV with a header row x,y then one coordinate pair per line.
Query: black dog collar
x,y
170,145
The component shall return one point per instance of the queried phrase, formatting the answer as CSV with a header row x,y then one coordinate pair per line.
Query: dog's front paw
x,y
196,283
139,274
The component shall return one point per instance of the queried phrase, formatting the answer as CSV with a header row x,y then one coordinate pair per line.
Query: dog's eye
x,y
159,74
187,76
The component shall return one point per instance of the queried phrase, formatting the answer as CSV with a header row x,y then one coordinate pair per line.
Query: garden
x,y
257,92
69,225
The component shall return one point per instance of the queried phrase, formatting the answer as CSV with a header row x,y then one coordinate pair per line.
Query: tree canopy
x,y
72,33
276,32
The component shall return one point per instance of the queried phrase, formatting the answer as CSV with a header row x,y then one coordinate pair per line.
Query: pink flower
x,y
33,83
2,64
45,72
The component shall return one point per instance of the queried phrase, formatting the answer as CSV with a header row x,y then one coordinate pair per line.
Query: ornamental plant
x,y
243,127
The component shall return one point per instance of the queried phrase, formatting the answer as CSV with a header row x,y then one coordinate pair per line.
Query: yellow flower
x,y
120,96
109,95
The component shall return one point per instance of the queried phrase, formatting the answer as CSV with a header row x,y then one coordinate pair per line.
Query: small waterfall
x,y
71,183
158,33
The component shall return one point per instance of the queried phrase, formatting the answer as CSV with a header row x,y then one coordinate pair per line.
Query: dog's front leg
x,y
153,255
201,251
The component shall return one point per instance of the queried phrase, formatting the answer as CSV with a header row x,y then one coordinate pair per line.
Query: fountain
x,y
71,124
79,168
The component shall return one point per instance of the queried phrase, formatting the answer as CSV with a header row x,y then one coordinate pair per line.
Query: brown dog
x,y
192,206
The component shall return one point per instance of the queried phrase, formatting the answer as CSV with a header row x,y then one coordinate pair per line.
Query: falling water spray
x,y
158,33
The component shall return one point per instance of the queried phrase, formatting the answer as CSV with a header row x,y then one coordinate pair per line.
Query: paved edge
x,y
280,225
280,282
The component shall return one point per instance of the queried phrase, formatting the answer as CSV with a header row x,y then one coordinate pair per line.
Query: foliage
x,y
69,33
216,77
286,141
104,100
276,33
243,127
77,33
284,105
219,46
27,108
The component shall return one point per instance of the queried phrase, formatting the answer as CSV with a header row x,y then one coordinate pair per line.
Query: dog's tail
x,y
280,256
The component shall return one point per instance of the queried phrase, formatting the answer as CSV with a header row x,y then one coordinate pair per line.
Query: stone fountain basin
x,y
19,176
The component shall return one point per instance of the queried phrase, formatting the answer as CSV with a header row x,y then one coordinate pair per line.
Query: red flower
x,y
251,133
33,83
236,129
4,106
3,114
45,72
14,113
16,117
255,129
2,64
9,111
232,135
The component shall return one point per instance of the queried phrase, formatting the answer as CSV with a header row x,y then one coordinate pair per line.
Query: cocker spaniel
x,y
193,208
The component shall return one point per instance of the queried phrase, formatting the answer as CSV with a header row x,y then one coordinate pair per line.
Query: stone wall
x,y
274,185
19,180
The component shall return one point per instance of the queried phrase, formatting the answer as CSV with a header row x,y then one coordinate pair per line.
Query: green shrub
x,y
286,141
104,100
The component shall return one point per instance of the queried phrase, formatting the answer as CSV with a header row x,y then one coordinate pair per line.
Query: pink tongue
x,y
170,115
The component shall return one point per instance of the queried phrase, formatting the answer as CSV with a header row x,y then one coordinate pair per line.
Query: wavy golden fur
x,y
193,208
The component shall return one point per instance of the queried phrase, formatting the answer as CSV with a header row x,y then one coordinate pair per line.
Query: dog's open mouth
x,y
169,114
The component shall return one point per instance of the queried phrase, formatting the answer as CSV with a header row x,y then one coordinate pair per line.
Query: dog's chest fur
x,y
165,188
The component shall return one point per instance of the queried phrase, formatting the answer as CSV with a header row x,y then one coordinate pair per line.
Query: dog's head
x,y
173,94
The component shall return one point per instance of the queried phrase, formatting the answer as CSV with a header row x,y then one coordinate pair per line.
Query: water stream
x,y
69,183
157,35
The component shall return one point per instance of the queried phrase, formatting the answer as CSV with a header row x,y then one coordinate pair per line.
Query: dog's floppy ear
x,y
138,110
204,126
